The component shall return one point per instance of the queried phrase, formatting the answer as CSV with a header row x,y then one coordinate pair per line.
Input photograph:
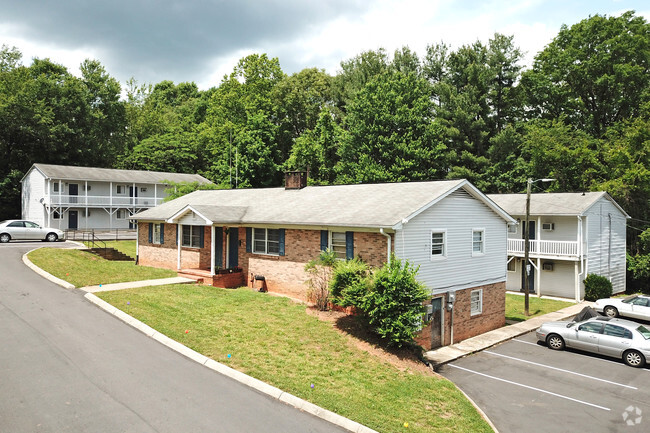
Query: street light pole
x,y
527,243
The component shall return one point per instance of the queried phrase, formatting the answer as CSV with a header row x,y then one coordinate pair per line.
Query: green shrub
x,y
597,287
394,304
349,283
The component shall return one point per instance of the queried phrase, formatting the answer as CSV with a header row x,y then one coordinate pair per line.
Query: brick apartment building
x,y
454,233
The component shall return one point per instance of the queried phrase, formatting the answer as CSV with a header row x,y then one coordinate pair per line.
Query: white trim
x,y
482,252
442,256
178,215
266,243
480,301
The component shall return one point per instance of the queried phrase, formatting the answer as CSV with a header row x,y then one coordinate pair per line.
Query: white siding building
x,y
68,197
571,236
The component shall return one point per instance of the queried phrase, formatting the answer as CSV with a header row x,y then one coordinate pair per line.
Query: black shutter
x,y
281,247
162,234
324,240
201,235
151,233
349,245
176,235
249,239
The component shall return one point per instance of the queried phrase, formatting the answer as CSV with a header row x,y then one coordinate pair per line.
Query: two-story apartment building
x,y
571,235
68,197
449,229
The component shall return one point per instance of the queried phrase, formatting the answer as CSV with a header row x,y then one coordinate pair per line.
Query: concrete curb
x,y
256,384
44,274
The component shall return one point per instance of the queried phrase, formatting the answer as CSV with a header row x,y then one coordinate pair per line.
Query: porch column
x,y
180,237
212,237
538,277
577,281
86,189
110,206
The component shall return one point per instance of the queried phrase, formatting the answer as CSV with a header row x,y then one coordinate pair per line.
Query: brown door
x,y
436,322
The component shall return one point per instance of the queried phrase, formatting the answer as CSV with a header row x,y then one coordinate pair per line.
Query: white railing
x,y
548,248
104,201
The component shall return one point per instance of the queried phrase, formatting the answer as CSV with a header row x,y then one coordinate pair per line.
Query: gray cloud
x,y
172,39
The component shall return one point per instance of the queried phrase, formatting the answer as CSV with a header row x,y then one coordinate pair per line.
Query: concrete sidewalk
x,y
452,352
134,284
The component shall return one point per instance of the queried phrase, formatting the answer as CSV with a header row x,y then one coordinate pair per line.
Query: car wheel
x,y
610,311
634,358
4,238
555,342
51,237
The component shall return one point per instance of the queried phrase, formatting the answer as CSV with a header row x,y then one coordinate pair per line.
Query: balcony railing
x,y
544,248
101,201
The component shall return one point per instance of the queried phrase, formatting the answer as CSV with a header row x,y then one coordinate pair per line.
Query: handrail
x,y
90,240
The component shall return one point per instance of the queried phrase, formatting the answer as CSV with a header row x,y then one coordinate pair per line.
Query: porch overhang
x,y
198,217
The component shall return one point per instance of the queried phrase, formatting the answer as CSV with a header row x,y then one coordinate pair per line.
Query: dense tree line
x,y
580,114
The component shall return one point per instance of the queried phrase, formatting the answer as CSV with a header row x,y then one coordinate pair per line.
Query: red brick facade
x,y
465,324
286,275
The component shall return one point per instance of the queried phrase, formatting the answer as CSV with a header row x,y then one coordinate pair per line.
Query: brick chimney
x,y
295,179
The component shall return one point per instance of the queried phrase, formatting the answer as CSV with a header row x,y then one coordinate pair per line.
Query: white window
x,y
266,241
121,214
438,244
192,236
512,265
55,187
476,301
156,234
478,242
120,189
512,228
56,215
338,244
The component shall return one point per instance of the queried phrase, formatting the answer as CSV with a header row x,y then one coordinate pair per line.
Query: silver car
x,y
635,306
21,230
617,338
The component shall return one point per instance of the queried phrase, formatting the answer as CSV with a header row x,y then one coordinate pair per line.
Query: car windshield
x,y
629,299
644,332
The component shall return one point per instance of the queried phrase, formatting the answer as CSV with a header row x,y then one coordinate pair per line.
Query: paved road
x,y
524,386
67,366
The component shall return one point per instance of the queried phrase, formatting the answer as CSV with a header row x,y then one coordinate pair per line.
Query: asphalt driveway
x,y
66,365
524,386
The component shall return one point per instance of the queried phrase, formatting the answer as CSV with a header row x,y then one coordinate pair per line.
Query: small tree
x,y
597,287
394,304
320,271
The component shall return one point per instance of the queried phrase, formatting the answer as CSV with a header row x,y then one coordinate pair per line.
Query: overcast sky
x,y
201,40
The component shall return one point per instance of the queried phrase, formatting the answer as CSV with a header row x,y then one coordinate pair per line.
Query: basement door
x,y
436,322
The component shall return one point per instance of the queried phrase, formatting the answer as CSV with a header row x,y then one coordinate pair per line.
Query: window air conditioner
x,y
548,266
548,226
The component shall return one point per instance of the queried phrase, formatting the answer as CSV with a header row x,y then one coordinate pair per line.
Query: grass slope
x,y
536,306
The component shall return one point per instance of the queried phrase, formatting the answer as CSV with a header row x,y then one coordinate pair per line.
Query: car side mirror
x,y
570,324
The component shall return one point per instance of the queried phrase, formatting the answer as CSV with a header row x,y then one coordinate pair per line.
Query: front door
x,y
73,192
233,248
73,217
436,323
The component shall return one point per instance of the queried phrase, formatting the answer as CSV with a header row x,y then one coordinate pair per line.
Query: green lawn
x,y
80,268
536,306
274,340
127,247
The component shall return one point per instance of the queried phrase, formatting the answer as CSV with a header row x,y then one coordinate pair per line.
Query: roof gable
x,y
560,204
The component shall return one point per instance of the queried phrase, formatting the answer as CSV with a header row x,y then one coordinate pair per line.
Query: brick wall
x,y
466,325
166,255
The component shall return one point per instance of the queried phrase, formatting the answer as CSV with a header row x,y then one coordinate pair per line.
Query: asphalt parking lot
x,y
524,386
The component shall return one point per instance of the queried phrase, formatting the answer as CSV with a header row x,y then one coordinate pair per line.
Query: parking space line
x,y
597,359
530,387
559,369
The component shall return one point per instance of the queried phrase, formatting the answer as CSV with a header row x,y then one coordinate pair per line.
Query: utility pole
x,y
527,243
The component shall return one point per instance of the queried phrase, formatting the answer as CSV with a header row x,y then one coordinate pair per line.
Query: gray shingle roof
x,y
360,205
66,172
565,203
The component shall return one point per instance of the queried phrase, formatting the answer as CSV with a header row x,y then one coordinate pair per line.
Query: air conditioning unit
x,y
548,266
548,226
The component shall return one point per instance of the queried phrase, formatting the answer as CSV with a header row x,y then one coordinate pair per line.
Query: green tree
x,y
391,136
595,73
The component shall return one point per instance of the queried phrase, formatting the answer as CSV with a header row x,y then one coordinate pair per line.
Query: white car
x,y
635,306
27,230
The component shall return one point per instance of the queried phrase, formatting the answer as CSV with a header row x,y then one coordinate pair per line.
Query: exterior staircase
x,y
111,254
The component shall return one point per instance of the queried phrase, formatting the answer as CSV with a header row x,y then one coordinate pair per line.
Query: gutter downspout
x,y
390,250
